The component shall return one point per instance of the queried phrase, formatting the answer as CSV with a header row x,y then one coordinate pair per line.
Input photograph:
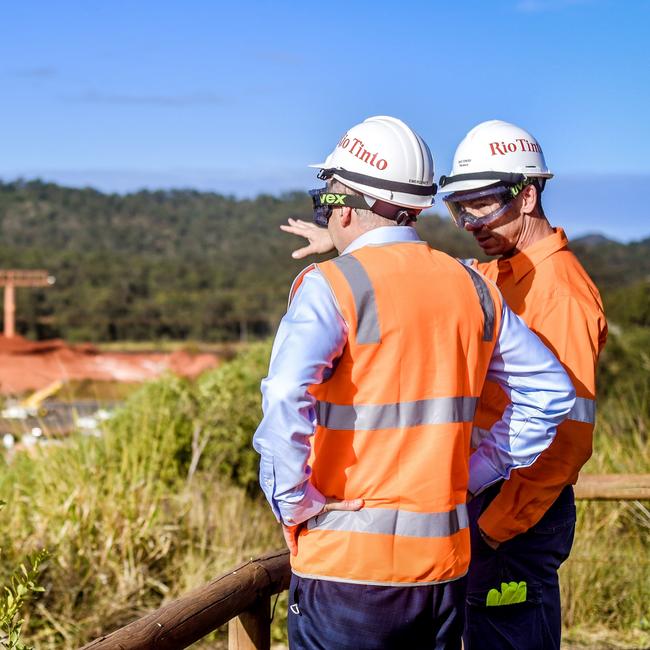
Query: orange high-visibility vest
x,y
395,417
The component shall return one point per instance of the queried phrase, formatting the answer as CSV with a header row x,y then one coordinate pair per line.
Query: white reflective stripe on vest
x,y
383,521
368,417
584,410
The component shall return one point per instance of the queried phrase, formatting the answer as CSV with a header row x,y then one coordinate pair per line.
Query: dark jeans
x,y
325,615
534,556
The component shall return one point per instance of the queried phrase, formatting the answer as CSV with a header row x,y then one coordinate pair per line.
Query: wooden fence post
x,y
251,630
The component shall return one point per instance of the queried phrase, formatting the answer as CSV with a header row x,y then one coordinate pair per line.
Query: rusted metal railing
x,y
241,597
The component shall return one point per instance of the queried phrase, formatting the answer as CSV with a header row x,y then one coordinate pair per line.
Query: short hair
x,y
368,218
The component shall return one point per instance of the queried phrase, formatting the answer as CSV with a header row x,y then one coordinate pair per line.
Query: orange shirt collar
x,y
524,262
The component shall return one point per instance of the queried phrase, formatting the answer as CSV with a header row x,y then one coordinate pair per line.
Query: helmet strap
x,y
403,216
539,183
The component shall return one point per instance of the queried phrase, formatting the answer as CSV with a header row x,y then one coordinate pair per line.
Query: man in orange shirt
x,y
522,528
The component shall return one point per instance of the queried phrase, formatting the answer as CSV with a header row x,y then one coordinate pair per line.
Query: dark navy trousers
x,y
326,615
535,557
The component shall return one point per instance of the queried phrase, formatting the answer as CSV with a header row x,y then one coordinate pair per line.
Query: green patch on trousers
x,y
511,593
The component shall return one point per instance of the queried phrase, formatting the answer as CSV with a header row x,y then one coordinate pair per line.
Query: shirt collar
x,y
383,235
525,261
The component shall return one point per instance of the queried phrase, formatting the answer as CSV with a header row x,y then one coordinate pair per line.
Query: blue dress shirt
x,y
312,335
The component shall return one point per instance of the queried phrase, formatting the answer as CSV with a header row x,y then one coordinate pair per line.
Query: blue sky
x,y
238,97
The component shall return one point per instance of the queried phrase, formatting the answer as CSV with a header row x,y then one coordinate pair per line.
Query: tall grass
x,y
606,581
167,499
132,519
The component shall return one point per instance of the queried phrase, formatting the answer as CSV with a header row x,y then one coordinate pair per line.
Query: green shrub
x,y
21,588
208,424
624,368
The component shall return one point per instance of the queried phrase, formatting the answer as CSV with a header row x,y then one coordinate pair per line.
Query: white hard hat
x,y
386,160
495,152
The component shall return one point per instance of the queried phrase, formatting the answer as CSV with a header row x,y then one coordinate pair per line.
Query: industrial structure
x,y
12,278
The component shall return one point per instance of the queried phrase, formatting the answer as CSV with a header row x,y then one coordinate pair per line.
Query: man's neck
x,y
356,231
534,229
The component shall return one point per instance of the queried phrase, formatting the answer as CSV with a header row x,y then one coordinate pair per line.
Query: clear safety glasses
x,y
478,208
324,203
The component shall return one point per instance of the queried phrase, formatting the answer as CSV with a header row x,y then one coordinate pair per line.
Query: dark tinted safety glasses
x,y
324,203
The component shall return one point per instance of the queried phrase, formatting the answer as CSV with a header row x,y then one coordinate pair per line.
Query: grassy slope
x,y
146,513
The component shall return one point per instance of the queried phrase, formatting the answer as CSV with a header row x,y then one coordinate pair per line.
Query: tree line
x,y
184,264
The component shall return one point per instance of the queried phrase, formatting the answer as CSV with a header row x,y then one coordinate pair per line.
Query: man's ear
x,y
345,218
529,195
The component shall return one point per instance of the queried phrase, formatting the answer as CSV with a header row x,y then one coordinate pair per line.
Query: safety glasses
x,y
325,202
479,208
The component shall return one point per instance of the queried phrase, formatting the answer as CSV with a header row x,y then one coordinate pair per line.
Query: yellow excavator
x,y
33,403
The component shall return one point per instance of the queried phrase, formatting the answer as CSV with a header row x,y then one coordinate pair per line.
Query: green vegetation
x,y
143,514
14,595
625,366
167,500
178,265
630,305
606,581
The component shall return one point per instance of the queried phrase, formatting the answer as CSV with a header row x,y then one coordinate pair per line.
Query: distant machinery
x,y
12,278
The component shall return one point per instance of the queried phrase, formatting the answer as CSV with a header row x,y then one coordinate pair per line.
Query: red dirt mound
x,y
30,365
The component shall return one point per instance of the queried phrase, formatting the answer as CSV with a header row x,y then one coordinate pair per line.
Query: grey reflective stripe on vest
x,y
485,298
383,521
367,417
584,410
364,298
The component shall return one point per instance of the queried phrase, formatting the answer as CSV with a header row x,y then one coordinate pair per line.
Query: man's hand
x,y
291,532
319,238
350,505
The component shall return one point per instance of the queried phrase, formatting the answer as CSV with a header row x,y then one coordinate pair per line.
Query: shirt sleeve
x,y
540,393
529,492
311,336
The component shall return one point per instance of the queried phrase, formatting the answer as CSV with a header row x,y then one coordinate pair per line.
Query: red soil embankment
x,y
30,365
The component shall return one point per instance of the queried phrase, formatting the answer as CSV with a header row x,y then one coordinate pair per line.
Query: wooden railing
x,y
241,597
613,487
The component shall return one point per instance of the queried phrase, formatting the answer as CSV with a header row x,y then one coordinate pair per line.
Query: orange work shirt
x,y
549,289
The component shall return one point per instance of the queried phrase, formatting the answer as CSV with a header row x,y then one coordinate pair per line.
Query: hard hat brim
x,y
463,186
475,184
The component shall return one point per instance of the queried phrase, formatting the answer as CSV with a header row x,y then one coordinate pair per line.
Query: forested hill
x,y
186,264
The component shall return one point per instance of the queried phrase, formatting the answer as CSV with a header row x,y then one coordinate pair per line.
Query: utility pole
x,y
12,278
